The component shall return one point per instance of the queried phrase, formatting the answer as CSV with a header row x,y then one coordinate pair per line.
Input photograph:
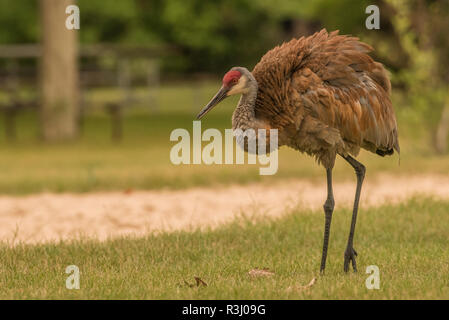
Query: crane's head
x,y
235,81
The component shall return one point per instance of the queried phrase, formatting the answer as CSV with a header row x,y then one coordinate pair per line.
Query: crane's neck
x,y
244,115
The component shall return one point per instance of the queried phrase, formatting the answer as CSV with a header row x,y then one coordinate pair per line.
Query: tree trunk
x,y
59,73
442,132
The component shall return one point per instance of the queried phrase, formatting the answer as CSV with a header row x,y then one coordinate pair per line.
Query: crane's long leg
x,y
350,253
328,209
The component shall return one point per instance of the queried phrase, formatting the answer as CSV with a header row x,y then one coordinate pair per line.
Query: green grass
x,y
407,242
141,160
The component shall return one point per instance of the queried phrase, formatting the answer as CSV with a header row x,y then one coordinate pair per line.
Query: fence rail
x,y
91,75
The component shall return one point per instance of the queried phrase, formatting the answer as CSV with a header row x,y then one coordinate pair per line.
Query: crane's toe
x,y
350,255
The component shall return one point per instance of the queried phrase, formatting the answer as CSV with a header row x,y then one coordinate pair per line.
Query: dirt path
x,y
47,217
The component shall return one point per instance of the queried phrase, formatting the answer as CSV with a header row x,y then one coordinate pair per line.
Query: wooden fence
x,y
118,74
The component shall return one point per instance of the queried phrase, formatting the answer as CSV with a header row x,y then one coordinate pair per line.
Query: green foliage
x,y
348,16
426,86
111,21
18,21
210,35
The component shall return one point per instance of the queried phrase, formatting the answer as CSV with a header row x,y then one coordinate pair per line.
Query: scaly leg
x,y
350,253
328,209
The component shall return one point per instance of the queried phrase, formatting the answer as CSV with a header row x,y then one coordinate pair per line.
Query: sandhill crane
x,y
326,96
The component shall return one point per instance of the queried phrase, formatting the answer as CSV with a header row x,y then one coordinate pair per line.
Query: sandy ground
x,y
47,217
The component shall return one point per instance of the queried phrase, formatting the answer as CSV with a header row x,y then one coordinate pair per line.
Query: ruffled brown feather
x,y
326,95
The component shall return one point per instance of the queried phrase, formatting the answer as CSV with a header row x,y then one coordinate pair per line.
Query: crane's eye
x,y
234,81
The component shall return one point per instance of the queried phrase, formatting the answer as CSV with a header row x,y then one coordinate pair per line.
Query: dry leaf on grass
x,y
198,282
261,272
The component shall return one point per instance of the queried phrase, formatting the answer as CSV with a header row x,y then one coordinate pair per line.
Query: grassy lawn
x,y
407,242
141,160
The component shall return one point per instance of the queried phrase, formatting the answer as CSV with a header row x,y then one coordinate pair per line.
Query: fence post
x,y
153,81
115,111
10,122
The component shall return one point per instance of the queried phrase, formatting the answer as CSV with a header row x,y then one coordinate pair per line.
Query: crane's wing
x,y
331,79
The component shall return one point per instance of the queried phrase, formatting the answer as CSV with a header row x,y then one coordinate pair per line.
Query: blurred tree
x,y
59,73
422,28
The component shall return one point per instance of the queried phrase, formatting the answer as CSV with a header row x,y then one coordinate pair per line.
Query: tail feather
x,y
389,152
384,153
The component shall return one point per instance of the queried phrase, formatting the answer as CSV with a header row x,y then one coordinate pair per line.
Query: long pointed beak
x,y
219,96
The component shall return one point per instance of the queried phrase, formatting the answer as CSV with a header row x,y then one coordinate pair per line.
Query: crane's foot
x,y
350,255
